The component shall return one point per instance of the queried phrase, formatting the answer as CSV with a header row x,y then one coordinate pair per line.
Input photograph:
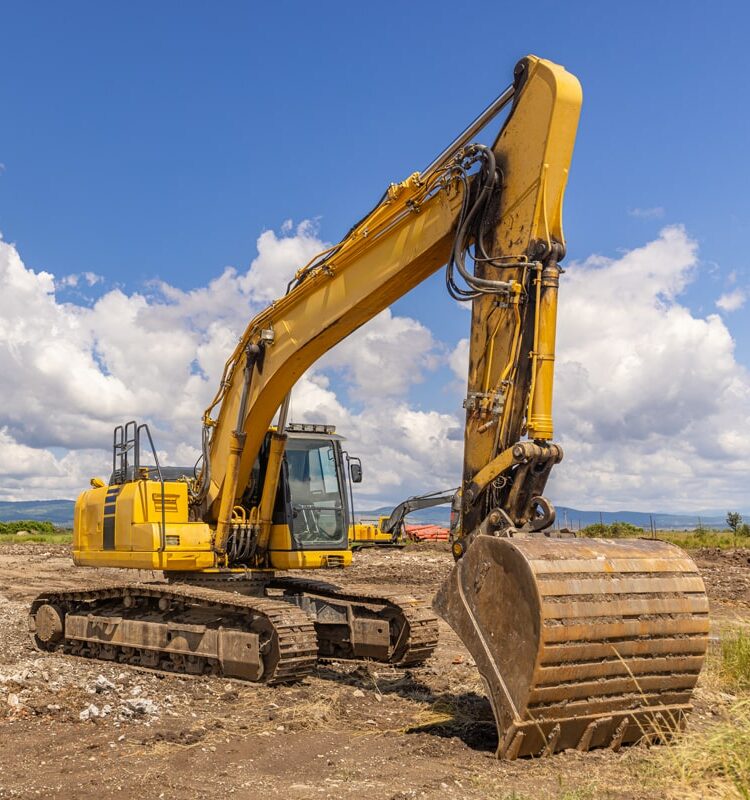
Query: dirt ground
x,y
81,729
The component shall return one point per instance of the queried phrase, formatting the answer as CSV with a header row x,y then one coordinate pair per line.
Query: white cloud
x,y
458,360
656,212
69,373
651,407
278,258
72,281
732,301
384,357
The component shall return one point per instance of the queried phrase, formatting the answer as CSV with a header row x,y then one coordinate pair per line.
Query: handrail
x,y
163,531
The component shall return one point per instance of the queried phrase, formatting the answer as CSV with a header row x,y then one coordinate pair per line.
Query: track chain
x,y
296,641
419,624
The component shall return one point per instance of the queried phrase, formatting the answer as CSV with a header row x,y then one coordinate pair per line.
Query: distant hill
x,y
59,512
575,518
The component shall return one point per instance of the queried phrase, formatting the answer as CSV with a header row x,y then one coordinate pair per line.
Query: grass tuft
x,y
708,764
734,669
33,530
688,540
694,540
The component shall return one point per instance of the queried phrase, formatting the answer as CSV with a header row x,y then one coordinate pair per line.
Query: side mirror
x,y
355,470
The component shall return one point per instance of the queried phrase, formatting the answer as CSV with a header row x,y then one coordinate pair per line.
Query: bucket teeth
x,y
580,643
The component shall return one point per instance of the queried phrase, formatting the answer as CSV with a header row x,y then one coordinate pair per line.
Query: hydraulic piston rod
x,y
489,113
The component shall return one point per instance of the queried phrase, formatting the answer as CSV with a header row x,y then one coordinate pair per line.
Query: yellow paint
x,y
368,533
404,240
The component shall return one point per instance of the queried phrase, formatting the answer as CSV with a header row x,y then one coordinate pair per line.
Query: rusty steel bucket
x,y
580,642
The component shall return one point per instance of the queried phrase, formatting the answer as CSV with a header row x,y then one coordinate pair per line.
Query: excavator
x,y
390,530
580,643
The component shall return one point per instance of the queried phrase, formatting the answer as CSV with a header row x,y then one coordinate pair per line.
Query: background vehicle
x,y
389,530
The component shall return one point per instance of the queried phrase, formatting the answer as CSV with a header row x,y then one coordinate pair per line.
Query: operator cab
x,y
313,499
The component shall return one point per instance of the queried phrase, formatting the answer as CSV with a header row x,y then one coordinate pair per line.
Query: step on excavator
x,y
581,642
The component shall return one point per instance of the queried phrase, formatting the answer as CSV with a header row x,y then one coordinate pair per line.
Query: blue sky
x,y
147,141
158,139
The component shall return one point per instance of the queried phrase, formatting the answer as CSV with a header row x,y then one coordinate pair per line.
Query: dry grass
x,y
693,540
323,713
61,537
735,661
712,761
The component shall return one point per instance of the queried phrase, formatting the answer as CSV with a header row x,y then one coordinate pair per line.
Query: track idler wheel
x,y
49,626
581,643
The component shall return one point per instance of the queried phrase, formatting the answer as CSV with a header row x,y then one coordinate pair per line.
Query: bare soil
x,y
75,728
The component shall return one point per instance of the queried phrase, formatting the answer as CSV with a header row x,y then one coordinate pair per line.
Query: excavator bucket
x,y
581,643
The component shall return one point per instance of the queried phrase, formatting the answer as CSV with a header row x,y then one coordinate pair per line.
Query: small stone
x,y
101,684
90,712
141,705
358,693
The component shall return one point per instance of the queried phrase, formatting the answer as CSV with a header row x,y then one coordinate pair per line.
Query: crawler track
x,y
195,630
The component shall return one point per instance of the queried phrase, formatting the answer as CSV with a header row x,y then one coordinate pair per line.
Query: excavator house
x,y
581,643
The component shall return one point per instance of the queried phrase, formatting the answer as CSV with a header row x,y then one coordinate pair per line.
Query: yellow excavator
x,y
581,643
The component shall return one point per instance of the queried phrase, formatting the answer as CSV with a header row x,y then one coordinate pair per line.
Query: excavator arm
x,y
406,239
513,193
581,643
395,521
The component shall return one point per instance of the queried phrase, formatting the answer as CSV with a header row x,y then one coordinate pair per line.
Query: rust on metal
x,y
233,628
580,643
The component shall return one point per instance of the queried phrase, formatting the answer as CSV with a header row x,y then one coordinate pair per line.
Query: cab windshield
x,y
318,510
